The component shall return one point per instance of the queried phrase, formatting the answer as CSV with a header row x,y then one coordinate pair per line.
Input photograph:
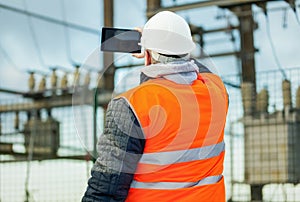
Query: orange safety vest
x,y
184,148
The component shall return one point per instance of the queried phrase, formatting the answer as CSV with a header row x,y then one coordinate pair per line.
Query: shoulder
x,y
202,68
146,89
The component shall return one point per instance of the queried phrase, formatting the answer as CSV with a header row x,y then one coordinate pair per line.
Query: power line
x,y
296,15
68,43
51,20
34,37
234,46
273,47
294,8
8,58
231,84
67,35
247,13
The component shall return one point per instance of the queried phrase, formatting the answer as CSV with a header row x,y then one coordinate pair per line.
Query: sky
x,y
31,44
17,37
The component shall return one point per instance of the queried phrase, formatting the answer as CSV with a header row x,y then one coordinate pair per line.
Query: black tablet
x,y
120,40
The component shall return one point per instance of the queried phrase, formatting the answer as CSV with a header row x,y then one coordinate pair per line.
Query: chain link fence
x,y
44,144
263,133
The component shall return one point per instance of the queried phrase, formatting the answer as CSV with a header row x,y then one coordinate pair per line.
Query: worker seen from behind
x,y
164,140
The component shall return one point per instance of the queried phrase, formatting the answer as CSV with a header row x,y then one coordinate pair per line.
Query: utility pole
x,y
246,29
152,6
108,57
247,57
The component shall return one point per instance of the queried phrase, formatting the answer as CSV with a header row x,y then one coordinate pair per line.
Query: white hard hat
x,y
167,33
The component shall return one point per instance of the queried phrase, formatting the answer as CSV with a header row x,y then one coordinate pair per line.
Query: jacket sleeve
x,y
119,148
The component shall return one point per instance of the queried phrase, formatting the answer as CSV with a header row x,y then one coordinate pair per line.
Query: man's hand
x,y
138,55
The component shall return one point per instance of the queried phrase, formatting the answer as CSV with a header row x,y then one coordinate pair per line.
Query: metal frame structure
x,y
101,95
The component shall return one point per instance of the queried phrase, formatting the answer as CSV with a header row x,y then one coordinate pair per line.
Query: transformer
x,y
43,136
272,152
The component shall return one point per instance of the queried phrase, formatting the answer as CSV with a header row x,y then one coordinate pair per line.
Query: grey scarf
x,y
181,72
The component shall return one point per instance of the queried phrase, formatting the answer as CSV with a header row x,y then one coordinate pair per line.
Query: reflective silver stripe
x,y
179,156
175,185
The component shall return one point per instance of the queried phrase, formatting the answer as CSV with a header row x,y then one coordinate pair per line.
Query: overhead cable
x,y
234,46
294,8
248,13
8,58
68,44
67,36
297,16
231,84
51,20
96,31
279,66
34,38
11,61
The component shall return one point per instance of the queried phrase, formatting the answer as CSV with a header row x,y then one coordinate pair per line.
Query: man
x,y
163,140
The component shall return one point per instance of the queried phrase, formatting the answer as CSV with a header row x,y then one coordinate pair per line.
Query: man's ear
x,y
147,58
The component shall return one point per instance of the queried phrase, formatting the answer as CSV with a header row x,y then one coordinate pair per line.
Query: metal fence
x,y
263,133
44,148
44,144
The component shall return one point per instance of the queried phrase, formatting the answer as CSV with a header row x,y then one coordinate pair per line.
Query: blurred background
x,y
55,85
